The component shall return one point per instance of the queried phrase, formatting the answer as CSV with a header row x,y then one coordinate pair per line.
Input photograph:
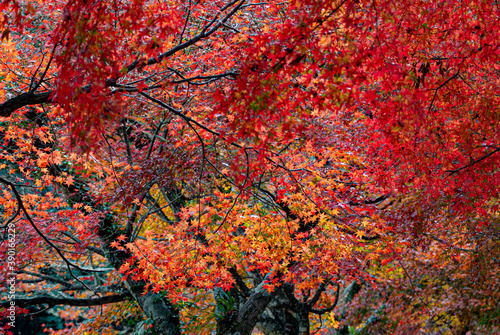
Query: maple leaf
x,y
259,139
69,180
360,234
121,238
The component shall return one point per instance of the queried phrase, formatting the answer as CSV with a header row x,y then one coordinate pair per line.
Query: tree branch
x,y
451,172
24,99
52,301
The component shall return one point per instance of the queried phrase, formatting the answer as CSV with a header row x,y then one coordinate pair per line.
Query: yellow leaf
x,y
360,234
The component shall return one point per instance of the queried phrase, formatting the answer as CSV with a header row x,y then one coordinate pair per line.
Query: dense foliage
x,y
233,167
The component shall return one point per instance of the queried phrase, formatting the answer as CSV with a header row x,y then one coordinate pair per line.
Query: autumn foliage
x,y
233,167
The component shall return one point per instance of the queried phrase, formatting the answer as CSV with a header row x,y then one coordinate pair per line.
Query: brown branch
x,y
30,98
39,232
451,172
329,309
317,295
25,99
52,301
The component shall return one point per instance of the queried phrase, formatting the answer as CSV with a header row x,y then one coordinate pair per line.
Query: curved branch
x,y
52,301
42,235
329,309
22,100
317,295
451,172
30,98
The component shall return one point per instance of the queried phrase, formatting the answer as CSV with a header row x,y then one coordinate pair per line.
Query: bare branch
x,y
52,301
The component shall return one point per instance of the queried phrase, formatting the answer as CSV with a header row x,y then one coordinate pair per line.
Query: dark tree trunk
x,y
157,307
304,322
165,317
244,321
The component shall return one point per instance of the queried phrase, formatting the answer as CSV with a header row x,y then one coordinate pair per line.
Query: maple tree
x,y
234,166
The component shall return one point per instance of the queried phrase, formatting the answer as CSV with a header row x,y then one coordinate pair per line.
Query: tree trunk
x,y
165,317
157,307
248,315
304,322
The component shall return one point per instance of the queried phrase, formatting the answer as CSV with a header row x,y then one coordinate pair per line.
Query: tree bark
x,y
304,322
25,99
249,313
157,307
